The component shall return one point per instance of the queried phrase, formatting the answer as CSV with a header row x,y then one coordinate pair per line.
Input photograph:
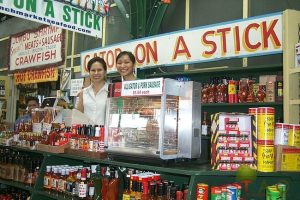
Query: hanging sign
x,y
101,7
54,13
36,76
242,38
36,48
142,87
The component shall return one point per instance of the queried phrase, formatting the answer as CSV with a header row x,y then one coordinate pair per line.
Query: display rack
x,y
190,172
291,92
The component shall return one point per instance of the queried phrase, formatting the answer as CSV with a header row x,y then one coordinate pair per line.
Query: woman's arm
x,y
80,102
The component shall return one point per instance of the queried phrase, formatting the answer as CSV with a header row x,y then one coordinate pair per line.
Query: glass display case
x,y
154,118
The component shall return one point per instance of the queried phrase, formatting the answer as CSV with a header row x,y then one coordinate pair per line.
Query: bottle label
x,y
61,185
82,189
204,130
91,191
46,181
91,145
126,197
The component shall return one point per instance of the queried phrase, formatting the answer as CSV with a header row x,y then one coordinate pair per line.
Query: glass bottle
x,y
97,181
160,192
152,191
126,192
204,125
47,177
138,194
113,186
82,185
91,188
105,182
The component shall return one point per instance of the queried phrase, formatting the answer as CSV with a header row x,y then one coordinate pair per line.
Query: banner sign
x,y
39,47
36,76
54,13
241,38
76,86
95,6
142,87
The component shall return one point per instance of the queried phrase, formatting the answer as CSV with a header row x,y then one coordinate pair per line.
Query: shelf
x,y
294,70
54,196
187,168
242,104
16,184
217,69
17,148
295,102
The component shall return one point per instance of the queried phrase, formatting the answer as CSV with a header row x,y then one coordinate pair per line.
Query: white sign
x,y
76,86
56,14
242,38
38,47
297,55
142,87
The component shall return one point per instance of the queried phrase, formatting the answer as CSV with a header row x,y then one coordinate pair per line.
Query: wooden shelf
x,y
242,104
208,70
295,102
16,184
294,70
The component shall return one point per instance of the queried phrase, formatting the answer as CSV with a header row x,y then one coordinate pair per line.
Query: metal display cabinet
x,y
163,124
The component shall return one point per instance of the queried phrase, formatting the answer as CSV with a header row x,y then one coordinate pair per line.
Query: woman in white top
x,y
92,100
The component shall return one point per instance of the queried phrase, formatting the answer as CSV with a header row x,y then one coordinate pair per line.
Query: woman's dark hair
x,y
96,59
130,55
31,98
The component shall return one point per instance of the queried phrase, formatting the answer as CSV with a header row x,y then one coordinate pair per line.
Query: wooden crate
x,y
53,149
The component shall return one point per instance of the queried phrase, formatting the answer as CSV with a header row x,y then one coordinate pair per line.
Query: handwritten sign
x,y
36,76
250,37
35,48
76,86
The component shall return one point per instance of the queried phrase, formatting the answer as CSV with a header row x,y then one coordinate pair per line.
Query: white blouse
x,y
94,106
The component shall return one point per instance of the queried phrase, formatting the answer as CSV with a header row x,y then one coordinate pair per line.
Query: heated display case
x,y
154,118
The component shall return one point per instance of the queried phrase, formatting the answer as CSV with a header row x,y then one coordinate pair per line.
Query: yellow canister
x,y
294,135
265,156
265,123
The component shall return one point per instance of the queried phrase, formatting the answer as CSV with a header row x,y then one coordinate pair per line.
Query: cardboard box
x,y
53,149
297,55
287,158
263,79
88,154
270,91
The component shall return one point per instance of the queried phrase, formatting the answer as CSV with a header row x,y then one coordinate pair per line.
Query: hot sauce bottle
x,y
82,185
126,192
113,186
152,191
160,192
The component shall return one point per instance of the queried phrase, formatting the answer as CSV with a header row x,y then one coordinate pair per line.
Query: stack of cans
x,y
225,192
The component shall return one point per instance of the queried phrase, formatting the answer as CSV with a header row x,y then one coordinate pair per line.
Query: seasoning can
x,y
224,193
265,122
231,193
202,191
282,189
294,135
265,155
273,193
281,134
231,91
239,190
253,111
216,193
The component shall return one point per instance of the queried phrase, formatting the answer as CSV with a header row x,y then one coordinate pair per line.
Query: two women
x,y
92,100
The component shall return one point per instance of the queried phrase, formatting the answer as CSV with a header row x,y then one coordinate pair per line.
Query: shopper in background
x,y
126,65
92,100
31,102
